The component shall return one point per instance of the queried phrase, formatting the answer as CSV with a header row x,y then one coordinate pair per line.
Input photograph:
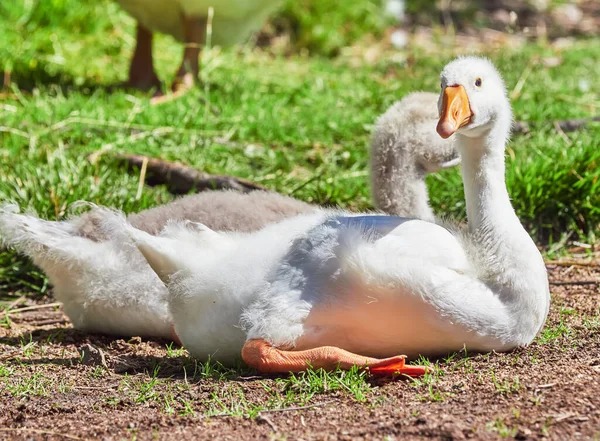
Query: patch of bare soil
x,y
142,390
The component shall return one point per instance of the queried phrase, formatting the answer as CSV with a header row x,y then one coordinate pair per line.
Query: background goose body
x,y
188,21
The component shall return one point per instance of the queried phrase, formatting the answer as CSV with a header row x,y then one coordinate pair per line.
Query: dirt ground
x,y
144,390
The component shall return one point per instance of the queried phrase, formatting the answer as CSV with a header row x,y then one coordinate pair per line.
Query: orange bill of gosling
x,y
455,111
262,356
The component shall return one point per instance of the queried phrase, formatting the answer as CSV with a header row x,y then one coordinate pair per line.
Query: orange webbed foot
x,y
262,356
396,366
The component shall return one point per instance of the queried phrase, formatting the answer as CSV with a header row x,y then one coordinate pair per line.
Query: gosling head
x,y
473,98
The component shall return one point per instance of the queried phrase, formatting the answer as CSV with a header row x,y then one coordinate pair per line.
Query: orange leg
x,y
194,29
260,355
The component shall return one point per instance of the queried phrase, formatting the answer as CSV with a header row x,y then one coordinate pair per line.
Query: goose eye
x,y
478,82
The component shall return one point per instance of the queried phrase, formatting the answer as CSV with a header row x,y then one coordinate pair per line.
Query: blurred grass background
x,y
293,110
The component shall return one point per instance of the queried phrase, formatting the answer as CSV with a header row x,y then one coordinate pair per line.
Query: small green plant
x,y
174,351
499,426
231,400
546,427
457,361
56,337
98,372
209,369
308,383
433,394
506,387
64,387
592,323
5,321
5,371
168,400
429,382
146,389
36,384
28,348
551,334
188,408
113,401
536,398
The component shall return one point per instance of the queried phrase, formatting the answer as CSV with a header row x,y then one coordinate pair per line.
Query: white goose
x,y
106,285
327,289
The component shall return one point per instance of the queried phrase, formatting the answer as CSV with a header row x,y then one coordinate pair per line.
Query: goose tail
x,y
105,286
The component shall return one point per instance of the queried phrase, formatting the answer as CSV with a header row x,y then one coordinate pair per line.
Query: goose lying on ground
x,y
404,149
104,282
186,21
331,289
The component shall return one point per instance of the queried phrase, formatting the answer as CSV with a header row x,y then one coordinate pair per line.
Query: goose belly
x,y
384,323
157,15
233,20
368,284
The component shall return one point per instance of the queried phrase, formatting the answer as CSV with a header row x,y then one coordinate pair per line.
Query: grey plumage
x,y
225,210
404,149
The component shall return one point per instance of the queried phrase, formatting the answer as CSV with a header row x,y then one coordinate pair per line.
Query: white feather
x,y
104,286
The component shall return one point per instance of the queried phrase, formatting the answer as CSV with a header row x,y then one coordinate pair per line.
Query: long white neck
x,y
506,257
488,203
490,215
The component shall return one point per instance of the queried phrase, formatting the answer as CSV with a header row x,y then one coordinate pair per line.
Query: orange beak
x,y
455,112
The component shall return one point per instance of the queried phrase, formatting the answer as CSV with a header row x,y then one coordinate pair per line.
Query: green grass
x,y
225,396
300,388
24,386
550,334
299,125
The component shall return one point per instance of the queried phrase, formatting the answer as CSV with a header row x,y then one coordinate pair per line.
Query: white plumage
x,y
103,281
104,286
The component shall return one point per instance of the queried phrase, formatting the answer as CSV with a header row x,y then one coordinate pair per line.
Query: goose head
x,y
473,99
